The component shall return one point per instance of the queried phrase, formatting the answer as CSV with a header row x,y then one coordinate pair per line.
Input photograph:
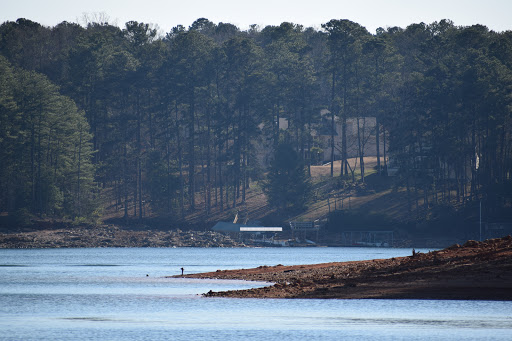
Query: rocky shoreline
x,y
59,234
473,271
112,236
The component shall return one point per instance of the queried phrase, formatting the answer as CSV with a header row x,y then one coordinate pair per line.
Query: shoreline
x,y
111,236
473,271
61,235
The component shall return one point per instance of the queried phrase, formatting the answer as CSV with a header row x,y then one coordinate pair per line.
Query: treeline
x,y
177,123
46,153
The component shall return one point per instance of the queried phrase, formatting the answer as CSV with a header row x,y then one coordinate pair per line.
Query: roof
x,y
224,226
260,229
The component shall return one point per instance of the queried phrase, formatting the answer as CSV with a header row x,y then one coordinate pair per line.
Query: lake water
x,y
121,294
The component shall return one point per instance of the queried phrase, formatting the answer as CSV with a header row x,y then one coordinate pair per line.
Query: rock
x,y
110,236
471,243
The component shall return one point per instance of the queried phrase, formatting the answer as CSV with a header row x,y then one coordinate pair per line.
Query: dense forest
x,y
168,124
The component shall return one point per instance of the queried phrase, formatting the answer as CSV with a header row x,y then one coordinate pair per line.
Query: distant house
x,y
321,134
367,130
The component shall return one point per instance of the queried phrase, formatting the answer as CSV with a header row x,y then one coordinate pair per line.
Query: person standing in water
x,y
182,270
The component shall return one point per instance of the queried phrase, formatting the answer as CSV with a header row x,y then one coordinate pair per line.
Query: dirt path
x,y
474,271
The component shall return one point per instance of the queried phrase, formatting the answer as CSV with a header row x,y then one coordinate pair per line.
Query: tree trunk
x,y
191,152
180,162
473,161
308,146
408,187
244,176
139,156
208,166
168,162
377,143
79,172
125,180
333,129
135,198
344,156
277,127
333,112
227,182
384,151
221,181
344,166
360,151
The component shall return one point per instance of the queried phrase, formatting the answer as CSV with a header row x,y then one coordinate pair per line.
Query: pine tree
x,y
287,186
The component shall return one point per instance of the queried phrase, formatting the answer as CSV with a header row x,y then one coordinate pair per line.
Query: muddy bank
x,y
112,236
473,271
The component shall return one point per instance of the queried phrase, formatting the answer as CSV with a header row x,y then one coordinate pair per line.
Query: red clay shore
x,y
473,271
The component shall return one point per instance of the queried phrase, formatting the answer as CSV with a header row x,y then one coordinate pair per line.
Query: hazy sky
x,y
495,14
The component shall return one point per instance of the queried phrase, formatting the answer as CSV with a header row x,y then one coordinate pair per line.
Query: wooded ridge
x,y
96,118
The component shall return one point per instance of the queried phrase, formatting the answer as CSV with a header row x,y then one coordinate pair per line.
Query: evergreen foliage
x,y
45,148
167,122
287,187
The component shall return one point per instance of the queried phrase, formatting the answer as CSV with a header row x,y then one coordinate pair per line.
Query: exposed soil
x,y
474,271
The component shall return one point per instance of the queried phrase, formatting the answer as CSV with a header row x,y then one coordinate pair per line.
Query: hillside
x,y
336,205
326,190
383,202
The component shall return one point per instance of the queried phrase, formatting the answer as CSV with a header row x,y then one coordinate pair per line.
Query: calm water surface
x,y
121,294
